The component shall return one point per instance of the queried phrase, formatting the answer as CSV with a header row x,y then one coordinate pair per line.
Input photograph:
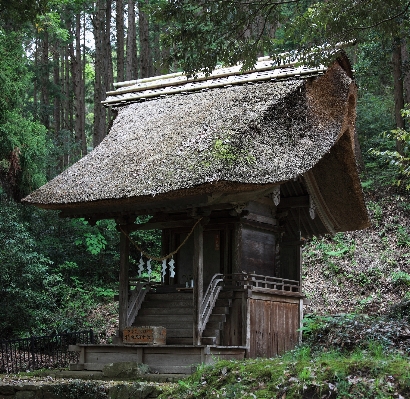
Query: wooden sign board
x,y
147,335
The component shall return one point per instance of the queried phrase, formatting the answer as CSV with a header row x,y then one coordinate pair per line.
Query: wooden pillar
x,y
198,274
236,250
124,267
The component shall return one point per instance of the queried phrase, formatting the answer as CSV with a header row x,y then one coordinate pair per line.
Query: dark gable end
x,y
236,133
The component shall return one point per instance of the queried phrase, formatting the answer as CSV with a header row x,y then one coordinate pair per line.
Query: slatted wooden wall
x,y
273,326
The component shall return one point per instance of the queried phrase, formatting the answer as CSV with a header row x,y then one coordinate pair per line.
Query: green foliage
x,y
203,34
400,278
51,283
344,21
15,13
403,236
95,242
81,389
376,211
24,298
300,373
23,142
398,162
330,251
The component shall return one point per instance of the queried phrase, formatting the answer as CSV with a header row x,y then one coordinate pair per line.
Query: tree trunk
x,y
131,71
99,89
77,74
45,97
83,110
35,105
405,70
156,51
57,83
119,23
145,48
398,90
108,70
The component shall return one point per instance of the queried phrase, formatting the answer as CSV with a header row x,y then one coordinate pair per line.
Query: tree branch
x,y
382,21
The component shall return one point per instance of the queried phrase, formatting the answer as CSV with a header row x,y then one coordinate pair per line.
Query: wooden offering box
x,y
149,335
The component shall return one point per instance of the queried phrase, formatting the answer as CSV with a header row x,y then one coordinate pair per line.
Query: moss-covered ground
x,y
301,374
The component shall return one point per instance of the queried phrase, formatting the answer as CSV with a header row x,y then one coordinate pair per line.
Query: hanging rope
x,y
170,255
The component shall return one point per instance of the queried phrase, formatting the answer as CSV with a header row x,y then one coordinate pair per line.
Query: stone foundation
x,y
78,389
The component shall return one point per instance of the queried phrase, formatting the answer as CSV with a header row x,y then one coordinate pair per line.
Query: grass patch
x,y
302,374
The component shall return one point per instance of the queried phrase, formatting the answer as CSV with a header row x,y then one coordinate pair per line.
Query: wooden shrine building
x,y
237,167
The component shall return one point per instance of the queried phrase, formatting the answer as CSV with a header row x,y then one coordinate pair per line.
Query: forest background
x,y
58,58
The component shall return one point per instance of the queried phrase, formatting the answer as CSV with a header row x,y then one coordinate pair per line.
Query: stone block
x,y
6,390
125,370
25,395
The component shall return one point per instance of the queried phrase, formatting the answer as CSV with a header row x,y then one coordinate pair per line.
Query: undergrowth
x,y
302,374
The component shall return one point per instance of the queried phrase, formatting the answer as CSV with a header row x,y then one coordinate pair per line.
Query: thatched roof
x,y
227,132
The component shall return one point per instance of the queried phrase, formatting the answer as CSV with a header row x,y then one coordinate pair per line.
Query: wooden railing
x,y
136,299
240,280
210,297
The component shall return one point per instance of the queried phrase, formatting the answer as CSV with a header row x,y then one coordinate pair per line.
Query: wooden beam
x,y
294,202
198,274
172,224
147,205
124,267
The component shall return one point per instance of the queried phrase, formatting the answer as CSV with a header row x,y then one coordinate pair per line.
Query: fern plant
x,y
399,161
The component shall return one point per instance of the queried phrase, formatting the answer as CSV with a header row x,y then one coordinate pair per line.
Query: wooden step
x,y
209,333
180,341
223,302
174,296
171,325
165,311
155,320
221,310
180,332
214,326
209,341
184,303
221,318
225,295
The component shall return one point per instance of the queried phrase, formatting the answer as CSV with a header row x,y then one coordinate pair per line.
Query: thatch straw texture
x,y
262,133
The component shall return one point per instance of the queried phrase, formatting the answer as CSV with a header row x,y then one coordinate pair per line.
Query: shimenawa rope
x,y
170,255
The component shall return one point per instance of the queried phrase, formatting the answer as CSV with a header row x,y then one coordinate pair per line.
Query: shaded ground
x,y
363,271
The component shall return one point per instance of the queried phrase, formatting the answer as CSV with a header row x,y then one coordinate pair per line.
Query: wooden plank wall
x,y
257,251
233,331
273,326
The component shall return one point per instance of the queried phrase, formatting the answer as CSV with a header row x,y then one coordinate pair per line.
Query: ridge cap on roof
x,y
284,66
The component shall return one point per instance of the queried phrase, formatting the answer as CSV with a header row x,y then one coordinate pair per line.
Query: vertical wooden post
x,y
237,246
198,274
300,291
123,294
